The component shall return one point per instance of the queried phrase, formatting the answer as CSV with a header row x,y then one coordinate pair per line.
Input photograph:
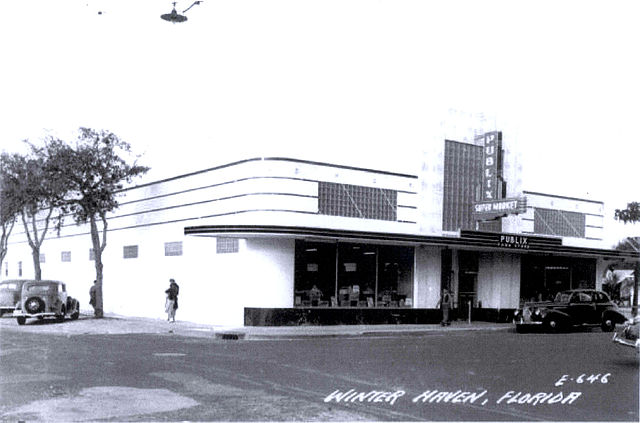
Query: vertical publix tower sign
x,y
492,166
492,203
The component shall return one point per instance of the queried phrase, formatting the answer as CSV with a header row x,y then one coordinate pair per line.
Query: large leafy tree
x,y
632,215
35,186
9,209
96,170
629,215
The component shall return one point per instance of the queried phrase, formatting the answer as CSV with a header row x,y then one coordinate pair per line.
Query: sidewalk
x,y
114,324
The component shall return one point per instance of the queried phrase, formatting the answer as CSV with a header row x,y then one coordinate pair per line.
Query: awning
x,y
476,240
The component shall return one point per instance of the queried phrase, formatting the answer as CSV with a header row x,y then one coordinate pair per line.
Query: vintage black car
x,y
569,309
46,298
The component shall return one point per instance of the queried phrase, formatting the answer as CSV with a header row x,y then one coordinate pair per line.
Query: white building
x,y
269,241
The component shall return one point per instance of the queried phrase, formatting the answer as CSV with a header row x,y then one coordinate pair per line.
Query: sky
x,y
354,82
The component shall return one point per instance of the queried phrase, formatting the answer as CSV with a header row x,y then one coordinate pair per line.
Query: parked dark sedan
x,y
569,309
42,299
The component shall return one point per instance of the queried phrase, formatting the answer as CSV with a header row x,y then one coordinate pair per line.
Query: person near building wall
x,y
445,305
92,296
171,304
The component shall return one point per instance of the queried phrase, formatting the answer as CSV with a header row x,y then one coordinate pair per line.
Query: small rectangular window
x,y
20,269
226,245
42,258
173,248
130,251
66,256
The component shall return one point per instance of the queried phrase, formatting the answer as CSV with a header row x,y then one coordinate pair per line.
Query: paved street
x,y
53,372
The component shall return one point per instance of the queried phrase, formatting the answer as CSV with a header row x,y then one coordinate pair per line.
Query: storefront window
x,y
315,274
542,277
395,270
353,275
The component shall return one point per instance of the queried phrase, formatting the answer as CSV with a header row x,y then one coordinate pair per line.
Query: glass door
x,y
467,281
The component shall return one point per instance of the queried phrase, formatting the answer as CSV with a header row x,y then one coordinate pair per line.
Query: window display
x,y
353,275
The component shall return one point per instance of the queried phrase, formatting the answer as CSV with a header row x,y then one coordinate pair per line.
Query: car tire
x,y
608,325
21,320
34,305
60,317
553,325
76,313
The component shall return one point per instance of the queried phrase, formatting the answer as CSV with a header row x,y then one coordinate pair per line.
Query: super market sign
x,y
487,210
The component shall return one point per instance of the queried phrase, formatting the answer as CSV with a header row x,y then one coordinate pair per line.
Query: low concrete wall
x,y
362,316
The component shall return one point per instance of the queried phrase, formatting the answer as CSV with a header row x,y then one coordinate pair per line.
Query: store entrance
x,y
556,279
467,281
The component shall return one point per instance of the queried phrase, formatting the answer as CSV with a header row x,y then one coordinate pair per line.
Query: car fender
x,y
557,314
614,316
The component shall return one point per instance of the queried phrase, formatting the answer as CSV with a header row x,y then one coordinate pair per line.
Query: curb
x,y
238,335
419,332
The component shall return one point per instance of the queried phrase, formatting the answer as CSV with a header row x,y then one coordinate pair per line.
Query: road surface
x,y
441,376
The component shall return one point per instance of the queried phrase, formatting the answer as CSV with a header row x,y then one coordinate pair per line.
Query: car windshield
x,y
8,286
562,297
40,288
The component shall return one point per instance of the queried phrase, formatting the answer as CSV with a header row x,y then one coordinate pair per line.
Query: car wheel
x,y
60,317
608,325
553,325
21,320
34,305
76,314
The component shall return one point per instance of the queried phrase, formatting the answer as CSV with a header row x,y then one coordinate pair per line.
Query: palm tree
x,y
611,284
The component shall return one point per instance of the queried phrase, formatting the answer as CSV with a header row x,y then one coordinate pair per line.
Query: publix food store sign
x,y
487,210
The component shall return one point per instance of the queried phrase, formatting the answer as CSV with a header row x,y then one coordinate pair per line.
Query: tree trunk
x,y
97,255
636,276
34,240
35,253
4,240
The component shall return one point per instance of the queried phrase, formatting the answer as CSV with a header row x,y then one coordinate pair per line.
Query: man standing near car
x,y
92,296
445,305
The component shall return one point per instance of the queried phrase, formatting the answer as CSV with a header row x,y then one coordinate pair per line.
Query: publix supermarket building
x,y
278,241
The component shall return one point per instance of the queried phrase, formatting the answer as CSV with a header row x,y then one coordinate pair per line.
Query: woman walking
x,y
171,304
